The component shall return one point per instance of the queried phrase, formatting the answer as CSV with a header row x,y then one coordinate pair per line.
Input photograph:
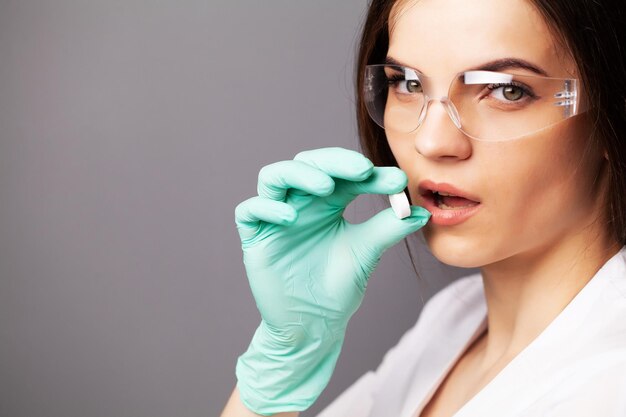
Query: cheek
x,y
527,194
544,187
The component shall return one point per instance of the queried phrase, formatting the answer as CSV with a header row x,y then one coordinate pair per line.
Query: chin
x,y
458,251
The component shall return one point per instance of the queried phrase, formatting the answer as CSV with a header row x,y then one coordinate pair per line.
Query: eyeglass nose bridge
x,y
447,104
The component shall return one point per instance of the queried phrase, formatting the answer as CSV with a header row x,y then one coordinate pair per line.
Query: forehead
x,y
449,36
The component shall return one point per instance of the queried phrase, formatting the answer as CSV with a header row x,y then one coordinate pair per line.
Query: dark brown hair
x,y
594,33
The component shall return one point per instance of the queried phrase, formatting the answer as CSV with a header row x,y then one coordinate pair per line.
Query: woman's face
x,y
535,192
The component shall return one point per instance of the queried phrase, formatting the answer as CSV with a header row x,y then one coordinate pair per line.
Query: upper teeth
x,y
446,194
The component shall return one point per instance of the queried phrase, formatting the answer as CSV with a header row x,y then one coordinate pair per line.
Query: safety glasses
x,y
485,105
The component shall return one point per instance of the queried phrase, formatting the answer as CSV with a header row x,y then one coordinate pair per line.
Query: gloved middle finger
x,y
275,179
338,162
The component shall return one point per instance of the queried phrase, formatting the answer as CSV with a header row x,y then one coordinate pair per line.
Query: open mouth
x,y
446,201
446,197
448,204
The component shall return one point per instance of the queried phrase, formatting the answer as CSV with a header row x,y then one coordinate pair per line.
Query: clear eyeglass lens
x,y
393,97
486,105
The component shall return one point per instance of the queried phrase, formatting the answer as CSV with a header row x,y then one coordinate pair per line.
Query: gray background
x,y
129,131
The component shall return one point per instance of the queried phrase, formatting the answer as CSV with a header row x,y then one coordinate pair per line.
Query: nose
x,y
439,137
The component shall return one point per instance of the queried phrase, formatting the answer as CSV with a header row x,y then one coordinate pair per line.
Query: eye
x,y
403,86
508,92
413,86
512,93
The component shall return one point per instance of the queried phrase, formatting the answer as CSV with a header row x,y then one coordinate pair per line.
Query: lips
x,y
448,204
432,190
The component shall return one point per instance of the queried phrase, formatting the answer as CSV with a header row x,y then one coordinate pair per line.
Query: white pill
x,y
400,205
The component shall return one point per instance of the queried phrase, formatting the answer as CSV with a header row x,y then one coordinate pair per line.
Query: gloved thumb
x,y
384,230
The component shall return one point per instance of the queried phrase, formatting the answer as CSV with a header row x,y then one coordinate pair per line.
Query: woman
x,y
507,121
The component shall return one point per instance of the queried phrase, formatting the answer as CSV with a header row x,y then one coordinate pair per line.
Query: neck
x,y
526,292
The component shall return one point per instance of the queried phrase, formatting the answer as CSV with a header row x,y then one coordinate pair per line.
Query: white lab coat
x,y
575,368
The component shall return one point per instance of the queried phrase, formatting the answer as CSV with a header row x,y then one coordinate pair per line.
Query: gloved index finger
x,y
338,162
384,180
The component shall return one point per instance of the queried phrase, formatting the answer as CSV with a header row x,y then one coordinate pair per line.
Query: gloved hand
x,y
308,269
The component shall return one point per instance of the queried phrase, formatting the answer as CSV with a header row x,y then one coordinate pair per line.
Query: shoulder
x,y
438,319
451,309
614,273
596,390
603,306
461,297
466,290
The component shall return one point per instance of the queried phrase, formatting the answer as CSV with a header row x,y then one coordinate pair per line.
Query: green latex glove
x,y
308,269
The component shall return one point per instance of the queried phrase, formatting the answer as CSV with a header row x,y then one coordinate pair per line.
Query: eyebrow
x,y
495,65
392,61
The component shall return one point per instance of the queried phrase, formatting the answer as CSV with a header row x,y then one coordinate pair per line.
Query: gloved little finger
x,y
250,213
